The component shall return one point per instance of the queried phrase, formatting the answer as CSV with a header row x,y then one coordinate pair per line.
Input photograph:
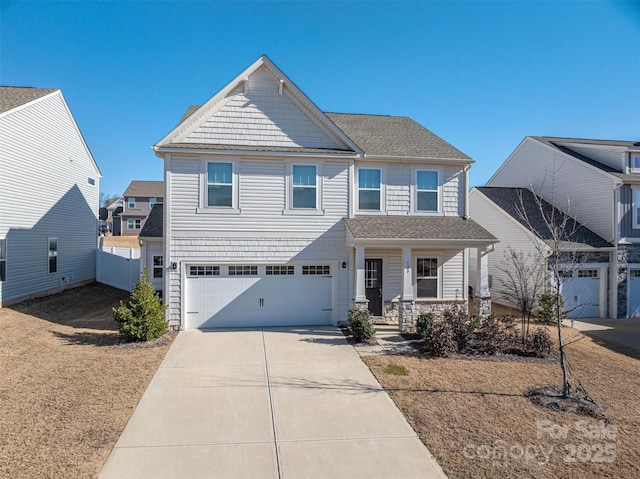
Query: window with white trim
x,y
369,189
426,199
53,255
134,223
203,271
219,185
131,203
3,259
279,270
317,270
157,266
635,162
304,186
587,273
243,271
426,277
635,207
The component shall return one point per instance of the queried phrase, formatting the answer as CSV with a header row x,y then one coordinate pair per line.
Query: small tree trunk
x,y
563,359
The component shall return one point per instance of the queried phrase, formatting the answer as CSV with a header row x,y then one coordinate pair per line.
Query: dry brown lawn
x,y
467,410
122,241
67,387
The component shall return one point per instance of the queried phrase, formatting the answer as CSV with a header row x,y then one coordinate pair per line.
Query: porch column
x,y
406,317
360,301
481,293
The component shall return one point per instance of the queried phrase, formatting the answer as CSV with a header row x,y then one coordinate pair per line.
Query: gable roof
x,y
519,202
394,136
153,226
288,92
150,189
395,227
13,96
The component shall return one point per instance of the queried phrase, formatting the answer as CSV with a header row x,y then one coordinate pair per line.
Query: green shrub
x,y
496,335
540,343
141,317
360,325
462,326
439,339
423,324
547,308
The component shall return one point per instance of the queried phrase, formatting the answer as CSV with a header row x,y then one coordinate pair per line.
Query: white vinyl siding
x,y
44,136
553,174
612,156
256,114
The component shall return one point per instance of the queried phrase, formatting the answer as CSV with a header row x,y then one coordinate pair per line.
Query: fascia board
x,y
418,243
440,161
160,151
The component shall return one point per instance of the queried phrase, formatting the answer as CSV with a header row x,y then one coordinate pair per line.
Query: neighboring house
x,y
515,217
139,198
113,220
277,213
49,185
152,254
598,183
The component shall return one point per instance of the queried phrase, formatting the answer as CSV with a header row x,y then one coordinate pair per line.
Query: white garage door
x,y
221,296
581,293
634,293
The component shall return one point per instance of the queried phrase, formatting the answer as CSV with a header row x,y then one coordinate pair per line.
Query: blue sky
x,y
482,75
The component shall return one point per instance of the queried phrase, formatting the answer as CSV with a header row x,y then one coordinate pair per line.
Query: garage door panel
x,y
278,300
582,296
634,293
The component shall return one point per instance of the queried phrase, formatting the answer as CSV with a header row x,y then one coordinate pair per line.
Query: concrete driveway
x,y
269,403
621,331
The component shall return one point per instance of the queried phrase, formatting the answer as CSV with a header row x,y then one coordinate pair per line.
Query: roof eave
x,y
421,242
160,150
461,161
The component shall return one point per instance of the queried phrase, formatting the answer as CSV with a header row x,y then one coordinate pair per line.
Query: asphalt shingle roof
x,y
519,202
13,96
141,189
417,227
153,226
395,136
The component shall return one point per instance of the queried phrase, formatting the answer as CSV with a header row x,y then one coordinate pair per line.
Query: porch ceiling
x,y
425,230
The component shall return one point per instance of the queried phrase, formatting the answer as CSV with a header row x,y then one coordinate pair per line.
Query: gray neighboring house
x,y
49,190
598,183
500,210
139,198
113,220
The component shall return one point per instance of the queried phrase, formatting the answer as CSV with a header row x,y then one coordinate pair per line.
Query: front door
x,y
373,285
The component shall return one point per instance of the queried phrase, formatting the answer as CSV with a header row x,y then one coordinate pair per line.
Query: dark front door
x,y
373,285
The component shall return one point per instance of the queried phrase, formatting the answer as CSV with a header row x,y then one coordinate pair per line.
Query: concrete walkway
x,y
271,403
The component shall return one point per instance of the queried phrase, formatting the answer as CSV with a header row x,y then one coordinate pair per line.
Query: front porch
x,y
405,266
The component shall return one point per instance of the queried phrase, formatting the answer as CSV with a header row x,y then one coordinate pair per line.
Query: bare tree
x,y
560,240
523,280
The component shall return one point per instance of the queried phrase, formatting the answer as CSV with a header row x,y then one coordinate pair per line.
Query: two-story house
x,y
138,200
49,185
277,213
598,183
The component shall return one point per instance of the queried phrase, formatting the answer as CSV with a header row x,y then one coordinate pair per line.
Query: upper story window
x,y
53,255
426,199
304,186
220,185
131,203
3,259
369,189
636,207
152,202
91,181
635,162
157,266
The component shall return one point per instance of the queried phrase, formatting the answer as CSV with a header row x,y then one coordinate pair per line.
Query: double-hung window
x,y
3,259
152,202
134,223
131,203
369,189
157,266
220,185
636,207
426,191
635,162
53,255
427,277
304,187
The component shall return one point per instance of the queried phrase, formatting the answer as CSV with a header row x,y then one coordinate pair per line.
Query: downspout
x,y
466,191
613,274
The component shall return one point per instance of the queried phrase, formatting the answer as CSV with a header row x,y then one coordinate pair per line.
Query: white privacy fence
x,y
129,253
118,270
